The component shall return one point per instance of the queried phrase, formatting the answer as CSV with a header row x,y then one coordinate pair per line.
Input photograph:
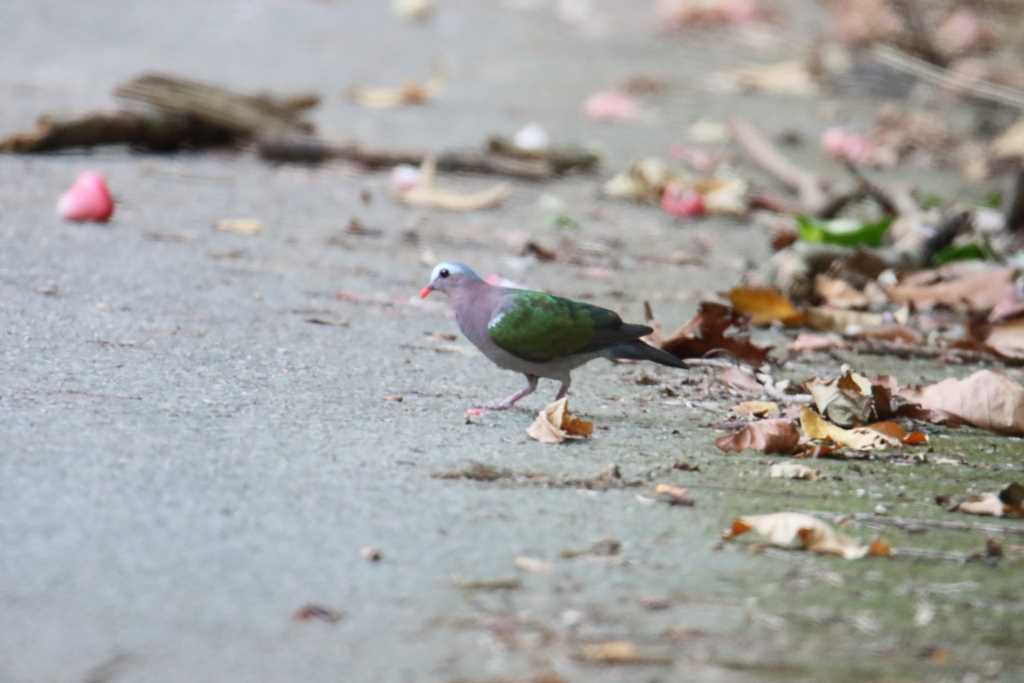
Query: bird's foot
x,y
495,405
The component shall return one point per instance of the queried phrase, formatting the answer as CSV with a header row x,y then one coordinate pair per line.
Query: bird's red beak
x,y
425,292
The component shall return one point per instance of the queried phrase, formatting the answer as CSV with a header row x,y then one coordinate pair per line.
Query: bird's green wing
x,y
540,327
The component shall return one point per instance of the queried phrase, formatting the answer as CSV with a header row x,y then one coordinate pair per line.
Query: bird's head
x,y
447,277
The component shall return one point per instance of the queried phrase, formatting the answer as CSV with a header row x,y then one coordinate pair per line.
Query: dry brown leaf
x,y
796,530
673,495
846,401
451,200
829,319
1009,503
767,436
715,328
409,93
618,652
839,293
859,439
810,341
895,333
783,78
764,305
239,226
973,290
792,470
1010,145
740,379
756,408
532,564
1006,337
985,399
896,431
554,424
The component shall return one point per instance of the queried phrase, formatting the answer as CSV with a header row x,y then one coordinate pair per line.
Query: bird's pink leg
x,y
563,390
531,386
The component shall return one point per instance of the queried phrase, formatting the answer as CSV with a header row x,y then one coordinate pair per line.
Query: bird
x,y
537,334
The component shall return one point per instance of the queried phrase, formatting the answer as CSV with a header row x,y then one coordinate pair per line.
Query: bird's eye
x,y
444,272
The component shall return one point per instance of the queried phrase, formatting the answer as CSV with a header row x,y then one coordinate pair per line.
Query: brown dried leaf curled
x,y
796,530
767,436
986,399
554,424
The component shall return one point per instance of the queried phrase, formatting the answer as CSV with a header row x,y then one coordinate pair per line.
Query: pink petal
x,y
611,105
682,203
88,199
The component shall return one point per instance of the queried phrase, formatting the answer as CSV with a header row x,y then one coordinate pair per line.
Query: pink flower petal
x,y
611,105
88,199
682,203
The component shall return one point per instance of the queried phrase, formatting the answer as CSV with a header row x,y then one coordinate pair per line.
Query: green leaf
x,y
843,231
962,252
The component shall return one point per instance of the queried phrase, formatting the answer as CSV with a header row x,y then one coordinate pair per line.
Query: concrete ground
x,y
185,460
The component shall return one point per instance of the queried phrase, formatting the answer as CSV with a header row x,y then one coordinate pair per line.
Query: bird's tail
x,y
638,350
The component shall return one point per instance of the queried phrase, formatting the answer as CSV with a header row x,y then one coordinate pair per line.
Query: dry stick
x,y
981,89
314,150
1015,204
911,524
807,185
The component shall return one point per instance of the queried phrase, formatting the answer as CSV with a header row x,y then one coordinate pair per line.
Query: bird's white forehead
x,y
451,266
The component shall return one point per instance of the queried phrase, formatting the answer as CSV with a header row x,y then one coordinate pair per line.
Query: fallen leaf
x,y
792,470
839,293
796,530
1007,503
239,226
673,495
88,199
709,332
764,305
756,408
784,78
896,431
859,439
409,93
644,181
1006,337
741,380
618,652
709,13
415,10
846,401
768,436
554,424
532,565
829,319
1010,144
809,341
319,612
985,399
425,193
977,290
843,231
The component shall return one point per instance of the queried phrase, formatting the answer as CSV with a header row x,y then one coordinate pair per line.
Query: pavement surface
x,y
186,460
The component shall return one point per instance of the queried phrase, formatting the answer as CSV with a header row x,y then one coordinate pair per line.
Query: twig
x,y
313,150
981,89
948,230
1015,204
887,203
807,186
